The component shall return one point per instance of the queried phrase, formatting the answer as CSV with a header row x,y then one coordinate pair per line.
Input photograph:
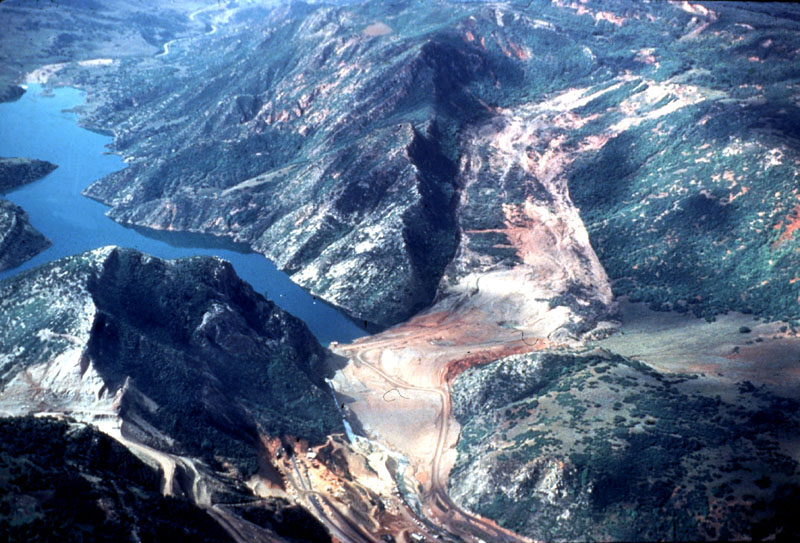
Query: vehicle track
x,y
458,521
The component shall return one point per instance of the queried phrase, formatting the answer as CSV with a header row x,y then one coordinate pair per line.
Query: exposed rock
x,y
388,171
19,241
346,171
18,171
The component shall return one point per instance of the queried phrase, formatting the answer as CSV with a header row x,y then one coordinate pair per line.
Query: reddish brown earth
x,y
397,389
792,224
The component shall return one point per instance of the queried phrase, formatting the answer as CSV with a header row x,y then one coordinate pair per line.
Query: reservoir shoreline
x,y
47,126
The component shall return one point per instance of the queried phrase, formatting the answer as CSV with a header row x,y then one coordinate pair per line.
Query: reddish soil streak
x,y
792,224
521,53
484,356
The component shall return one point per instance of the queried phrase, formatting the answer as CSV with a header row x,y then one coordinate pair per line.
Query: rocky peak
x,y
180,355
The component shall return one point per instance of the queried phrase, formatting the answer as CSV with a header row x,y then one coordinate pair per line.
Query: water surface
x,y
37,126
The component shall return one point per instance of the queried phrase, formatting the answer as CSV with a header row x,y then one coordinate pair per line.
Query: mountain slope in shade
x,y
19,241
18,171
9,93
65,481
180,361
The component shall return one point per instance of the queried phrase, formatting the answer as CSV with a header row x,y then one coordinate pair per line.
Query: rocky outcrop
x,y
15,172
180,361
19,241
562,447
524,257
334,179
343,164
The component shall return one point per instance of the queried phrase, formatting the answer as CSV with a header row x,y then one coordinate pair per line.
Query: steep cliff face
x,y
562,447
175,346
503,169
181,361
19,241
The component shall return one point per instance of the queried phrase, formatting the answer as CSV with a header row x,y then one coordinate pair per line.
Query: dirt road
x,y
416,360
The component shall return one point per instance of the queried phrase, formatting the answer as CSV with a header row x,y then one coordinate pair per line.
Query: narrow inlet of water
x,y
38,126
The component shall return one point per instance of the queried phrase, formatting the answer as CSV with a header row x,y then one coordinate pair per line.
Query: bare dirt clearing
x,y
680,343
395,386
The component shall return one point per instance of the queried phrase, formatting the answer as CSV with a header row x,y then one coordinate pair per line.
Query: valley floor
x,y
733,348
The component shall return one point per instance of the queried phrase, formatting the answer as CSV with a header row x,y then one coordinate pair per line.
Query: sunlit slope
x,y
351,145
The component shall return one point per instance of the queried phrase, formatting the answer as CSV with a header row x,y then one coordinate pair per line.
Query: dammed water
x,y
40,126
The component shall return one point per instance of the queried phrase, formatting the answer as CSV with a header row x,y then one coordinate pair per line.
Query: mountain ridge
x,y
419,92
180,361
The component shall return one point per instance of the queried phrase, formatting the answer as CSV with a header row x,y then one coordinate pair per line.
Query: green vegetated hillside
x,y
336,145
565,447
219,363
337,139
61,480
697,209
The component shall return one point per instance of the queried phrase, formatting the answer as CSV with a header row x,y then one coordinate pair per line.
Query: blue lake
x,y
36,126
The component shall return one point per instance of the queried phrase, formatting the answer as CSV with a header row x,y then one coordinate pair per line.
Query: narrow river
x,y
37,126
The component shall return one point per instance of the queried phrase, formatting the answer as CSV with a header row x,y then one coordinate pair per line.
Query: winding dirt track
x,y
165,47
458,520
442,510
